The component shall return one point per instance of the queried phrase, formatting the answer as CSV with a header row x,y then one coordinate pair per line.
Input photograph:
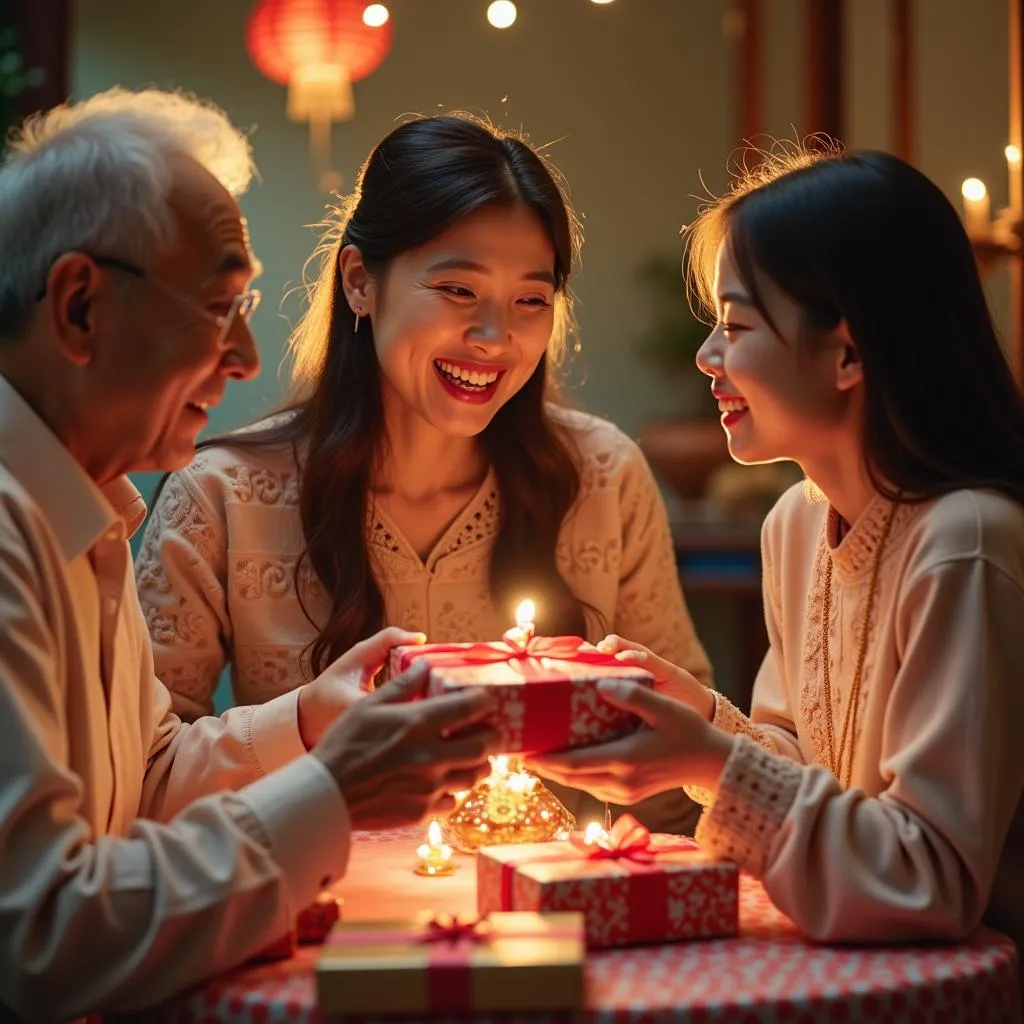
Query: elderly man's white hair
x,y
94,176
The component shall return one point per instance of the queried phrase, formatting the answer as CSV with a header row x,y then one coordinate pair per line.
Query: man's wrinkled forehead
x,y
210,223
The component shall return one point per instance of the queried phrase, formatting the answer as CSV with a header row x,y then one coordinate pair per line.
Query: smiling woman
x,y
424,471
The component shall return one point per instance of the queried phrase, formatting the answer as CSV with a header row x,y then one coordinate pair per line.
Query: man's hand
x,y
397,761
345,681
668,678
674,747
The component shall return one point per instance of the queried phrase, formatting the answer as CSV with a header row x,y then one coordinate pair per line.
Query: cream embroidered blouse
x,y
216,570
929,839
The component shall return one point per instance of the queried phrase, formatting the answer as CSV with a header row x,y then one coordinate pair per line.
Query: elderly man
x,y
140,854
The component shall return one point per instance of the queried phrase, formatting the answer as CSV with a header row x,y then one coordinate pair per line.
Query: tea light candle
x,y
595,835
435,855
522,633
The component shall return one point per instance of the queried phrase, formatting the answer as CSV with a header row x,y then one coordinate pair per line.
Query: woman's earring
x,y
355,328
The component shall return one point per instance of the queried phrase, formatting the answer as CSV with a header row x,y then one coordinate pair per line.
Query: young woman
x,y
423,471
876,786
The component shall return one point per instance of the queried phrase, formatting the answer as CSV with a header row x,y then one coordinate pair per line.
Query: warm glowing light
x,y
435,855
376,15
525,614
501,13
973,190
508,806
594,834
976,208
1012,155
600,1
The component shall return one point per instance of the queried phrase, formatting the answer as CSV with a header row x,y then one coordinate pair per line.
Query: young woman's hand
x,y
668,678
346,680
674,747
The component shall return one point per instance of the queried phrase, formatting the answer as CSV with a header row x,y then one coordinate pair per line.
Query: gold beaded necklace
x,y
836,762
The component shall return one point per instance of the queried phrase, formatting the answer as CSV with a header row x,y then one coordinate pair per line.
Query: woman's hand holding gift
x,y
675,746
669,679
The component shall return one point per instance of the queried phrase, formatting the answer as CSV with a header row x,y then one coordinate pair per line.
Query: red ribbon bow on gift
x,y
629,840
563,648
450,928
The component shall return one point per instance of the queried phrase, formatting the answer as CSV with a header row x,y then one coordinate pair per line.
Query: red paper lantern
x,y
317,48
285,35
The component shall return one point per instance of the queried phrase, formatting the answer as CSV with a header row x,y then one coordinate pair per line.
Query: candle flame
x,y
525,614
973,189
1012,155
434,833
594,833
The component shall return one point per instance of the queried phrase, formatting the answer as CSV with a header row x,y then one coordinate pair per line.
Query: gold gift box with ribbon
x,y
503,962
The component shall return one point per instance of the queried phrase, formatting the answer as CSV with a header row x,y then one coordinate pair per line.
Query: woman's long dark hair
x,y
420,180
864,237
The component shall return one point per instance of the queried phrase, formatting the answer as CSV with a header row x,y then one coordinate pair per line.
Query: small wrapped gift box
x,y
311,927
504,962
632,886
316,921
545,690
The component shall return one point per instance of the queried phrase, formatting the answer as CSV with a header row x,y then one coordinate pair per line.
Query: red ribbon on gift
x,y
454,929
526,659
628,840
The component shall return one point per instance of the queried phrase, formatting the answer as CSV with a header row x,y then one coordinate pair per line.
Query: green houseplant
x,y
15,78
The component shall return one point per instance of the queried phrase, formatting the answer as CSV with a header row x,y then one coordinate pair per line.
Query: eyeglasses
x,y
243,305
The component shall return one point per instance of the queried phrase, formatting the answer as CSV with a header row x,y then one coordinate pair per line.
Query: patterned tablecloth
x,y
766,974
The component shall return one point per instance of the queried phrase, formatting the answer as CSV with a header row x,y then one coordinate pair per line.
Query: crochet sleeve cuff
x,y
755,793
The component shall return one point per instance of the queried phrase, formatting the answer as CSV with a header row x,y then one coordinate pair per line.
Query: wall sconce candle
x,y
976,206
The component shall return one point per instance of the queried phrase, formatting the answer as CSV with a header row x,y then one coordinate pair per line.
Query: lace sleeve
x,y
731,720
180,573
651,609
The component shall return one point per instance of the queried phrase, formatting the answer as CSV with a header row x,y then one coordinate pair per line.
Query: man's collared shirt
x,y
139,854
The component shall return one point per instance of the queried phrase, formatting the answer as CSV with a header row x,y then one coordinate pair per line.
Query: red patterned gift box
x,y
632,886
546,691
502,963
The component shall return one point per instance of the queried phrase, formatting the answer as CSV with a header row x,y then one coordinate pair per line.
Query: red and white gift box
x,y
632,887
546,692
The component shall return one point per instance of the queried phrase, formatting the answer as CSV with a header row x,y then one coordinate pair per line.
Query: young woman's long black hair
x,y
420,180
865,238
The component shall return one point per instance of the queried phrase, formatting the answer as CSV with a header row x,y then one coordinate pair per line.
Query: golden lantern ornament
x,y
510,805
317,48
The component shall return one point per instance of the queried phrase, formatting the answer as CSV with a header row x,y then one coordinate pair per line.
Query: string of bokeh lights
x,y
500,13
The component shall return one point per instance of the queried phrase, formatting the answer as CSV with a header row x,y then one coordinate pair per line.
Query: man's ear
x,y
71,290
849,369
357,283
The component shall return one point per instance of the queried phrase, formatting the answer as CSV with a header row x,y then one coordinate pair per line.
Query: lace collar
x,y
852,556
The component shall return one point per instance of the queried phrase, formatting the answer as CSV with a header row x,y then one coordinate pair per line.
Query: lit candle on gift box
x,y
976,206
435,855
521,633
